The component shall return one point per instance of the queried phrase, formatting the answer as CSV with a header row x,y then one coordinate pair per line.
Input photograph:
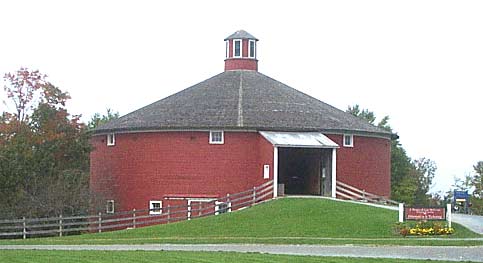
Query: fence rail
x,y
352,193
52,226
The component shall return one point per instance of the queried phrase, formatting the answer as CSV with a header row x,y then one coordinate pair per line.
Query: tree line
x,y
44,150
44,154
411,179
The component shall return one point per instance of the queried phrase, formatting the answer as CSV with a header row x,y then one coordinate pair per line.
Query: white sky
x,y
420,62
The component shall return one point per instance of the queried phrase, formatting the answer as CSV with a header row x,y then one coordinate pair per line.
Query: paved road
x,y
473,222
409,252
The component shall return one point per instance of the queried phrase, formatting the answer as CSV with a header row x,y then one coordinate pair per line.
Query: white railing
x,y
61,225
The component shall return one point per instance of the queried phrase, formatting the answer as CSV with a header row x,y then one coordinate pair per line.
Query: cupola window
x,y
237,48
252,49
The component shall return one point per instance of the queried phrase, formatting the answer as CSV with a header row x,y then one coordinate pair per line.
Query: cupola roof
x,y
241,34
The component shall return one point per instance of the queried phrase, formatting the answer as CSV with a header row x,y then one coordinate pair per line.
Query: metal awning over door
x,y
299,139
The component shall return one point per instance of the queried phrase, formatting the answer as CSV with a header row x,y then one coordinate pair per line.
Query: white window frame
x,y
227,48
217,142
151,212
217,207
241,48
250,55
109,141
352,140
108,206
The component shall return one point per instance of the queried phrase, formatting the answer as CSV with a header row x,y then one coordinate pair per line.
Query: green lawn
x,y
284,221
46,256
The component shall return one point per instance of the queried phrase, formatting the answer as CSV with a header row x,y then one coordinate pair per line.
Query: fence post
x,y
24,228
254,195
169,212
134,218
60,225
228,202
189,210
99,223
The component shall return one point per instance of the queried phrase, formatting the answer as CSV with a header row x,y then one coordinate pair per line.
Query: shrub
x,y
423,228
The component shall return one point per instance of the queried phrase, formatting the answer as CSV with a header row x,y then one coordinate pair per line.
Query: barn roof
x,y
240,100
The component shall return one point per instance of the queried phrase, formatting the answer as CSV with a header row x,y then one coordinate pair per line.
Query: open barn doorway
x,y
305,171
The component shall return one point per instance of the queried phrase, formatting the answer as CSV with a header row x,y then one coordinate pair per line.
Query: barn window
x,y
222,207
110,206
251,49
155,207
348,140
111,139
237,48
216,137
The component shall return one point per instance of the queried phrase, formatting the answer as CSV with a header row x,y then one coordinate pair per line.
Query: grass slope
x,y
287,220
45,256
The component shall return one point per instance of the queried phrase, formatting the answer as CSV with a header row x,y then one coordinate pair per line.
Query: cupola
x,y
241,51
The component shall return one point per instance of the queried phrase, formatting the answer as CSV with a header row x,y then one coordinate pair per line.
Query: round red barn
x,y
231,132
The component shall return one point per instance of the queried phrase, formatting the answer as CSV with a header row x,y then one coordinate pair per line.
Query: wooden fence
x,y
63,225
346,191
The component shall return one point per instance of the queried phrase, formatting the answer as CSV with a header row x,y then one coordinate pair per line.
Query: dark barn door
x,y
305,171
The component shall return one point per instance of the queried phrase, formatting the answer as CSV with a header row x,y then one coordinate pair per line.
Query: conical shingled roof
x,y
240,100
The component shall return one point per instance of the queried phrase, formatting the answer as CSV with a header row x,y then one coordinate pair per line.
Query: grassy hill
x,y
288,217
286,220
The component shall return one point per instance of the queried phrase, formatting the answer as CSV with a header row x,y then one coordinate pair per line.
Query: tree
x,y
97,119
424,172
44,150
410,180
369,116
363,114
476,184
477,180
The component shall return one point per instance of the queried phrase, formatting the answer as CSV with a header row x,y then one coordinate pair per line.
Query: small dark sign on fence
x,y
424,213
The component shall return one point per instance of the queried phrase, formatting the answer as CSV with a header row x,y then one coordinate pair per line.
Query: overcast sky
x,y
420,62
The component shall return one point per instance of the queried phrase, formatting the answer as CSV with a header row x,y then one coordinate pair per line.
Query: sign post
x,y
401,212
448,214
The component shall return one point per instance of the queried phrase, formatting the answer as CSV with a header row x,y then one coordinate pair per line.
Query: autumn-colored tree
x,y
44,151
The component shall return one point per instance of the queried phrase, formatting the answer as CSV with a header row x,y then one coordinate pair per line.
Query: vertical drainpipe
x,y
334,172
275,172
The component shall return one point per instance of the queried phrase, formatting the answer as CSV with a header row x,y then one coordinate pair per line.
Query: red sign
x,y
424,213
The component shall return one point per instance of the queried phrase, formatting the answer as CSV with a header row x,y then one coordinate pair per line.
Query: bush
x,y
423,228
